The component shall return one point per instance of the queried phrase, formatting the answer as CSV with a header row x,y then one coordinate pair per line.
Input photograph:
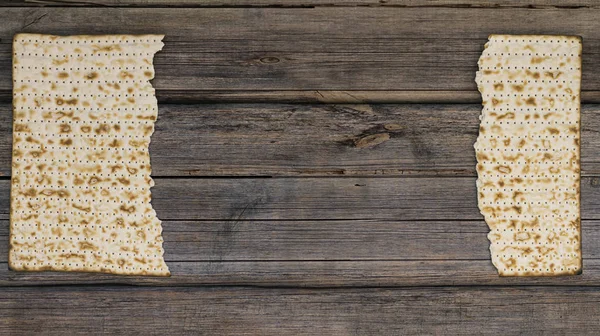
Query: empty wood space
x,y
244,311
315,172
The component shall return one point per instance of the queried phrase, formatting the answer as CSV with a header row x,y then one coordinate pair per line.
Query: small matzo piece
x,y
528,153
84,111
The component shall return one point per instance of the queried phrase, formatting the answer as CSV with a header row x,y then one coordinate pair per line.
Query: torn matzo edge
x,y
84,111
528,153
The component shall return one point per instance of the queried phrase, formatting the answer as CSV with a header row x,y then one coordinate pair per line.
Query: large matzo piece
x,y
84,111
528,153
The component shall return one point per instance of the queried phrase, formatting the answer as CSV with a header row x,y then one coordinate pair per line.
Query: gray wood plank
x,y
321,253
318,140
262,222
324,198
326,240
224,241
204,252
247,311
348,273
310,3
344,49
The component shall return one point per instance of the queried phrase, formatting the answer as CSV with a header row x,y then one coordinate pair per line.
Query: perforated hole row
x,y
526,81
83,55
568,149
487,122
531,189
84,135
91,239
534,203
65,199
85,266
76,251
87,213
523,216
541,163
82,81
86,122
529,68
137,175
100,161
530,108
91,67
533,243
127,227
68,41
542,269
70,147
517,40
534,230
530,175
94,187
79,95
132,230
541,95
84,109
534,54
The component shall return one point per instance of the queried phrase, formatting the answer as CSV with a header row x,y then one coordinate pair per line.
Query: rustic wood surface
x,y
283,215
319,140
216,53
272,311
313,3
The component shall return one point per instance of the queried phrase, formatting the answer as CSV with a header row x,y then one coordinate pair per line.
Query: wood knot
x,y
392,127
595,182
269,59
371,140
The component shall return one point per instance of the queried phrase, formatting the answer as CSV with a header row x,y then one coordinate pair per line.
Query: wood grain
x,y
314,3
314,274
245,311
210,50
318,140
323,198
362,196
328,240
241,230
321,253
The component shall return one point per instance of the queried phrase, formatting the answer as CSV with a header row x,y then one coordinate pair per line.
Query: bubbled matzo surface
x,y
84,111
528,153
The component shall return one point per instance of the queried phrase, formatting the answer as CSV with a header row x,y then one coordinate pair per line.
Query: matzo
x,y
84,111
528,153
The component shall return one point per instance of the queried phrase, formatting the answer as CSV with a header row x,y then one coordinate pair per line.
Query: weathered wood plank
x,y
248,311
318,140
245,202
372,273
321,253
315,3
336,49
223,241
323,198
328,240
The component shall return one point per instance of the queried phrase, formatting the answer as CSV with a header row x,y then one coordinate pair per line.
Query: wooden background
x,y
314,170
